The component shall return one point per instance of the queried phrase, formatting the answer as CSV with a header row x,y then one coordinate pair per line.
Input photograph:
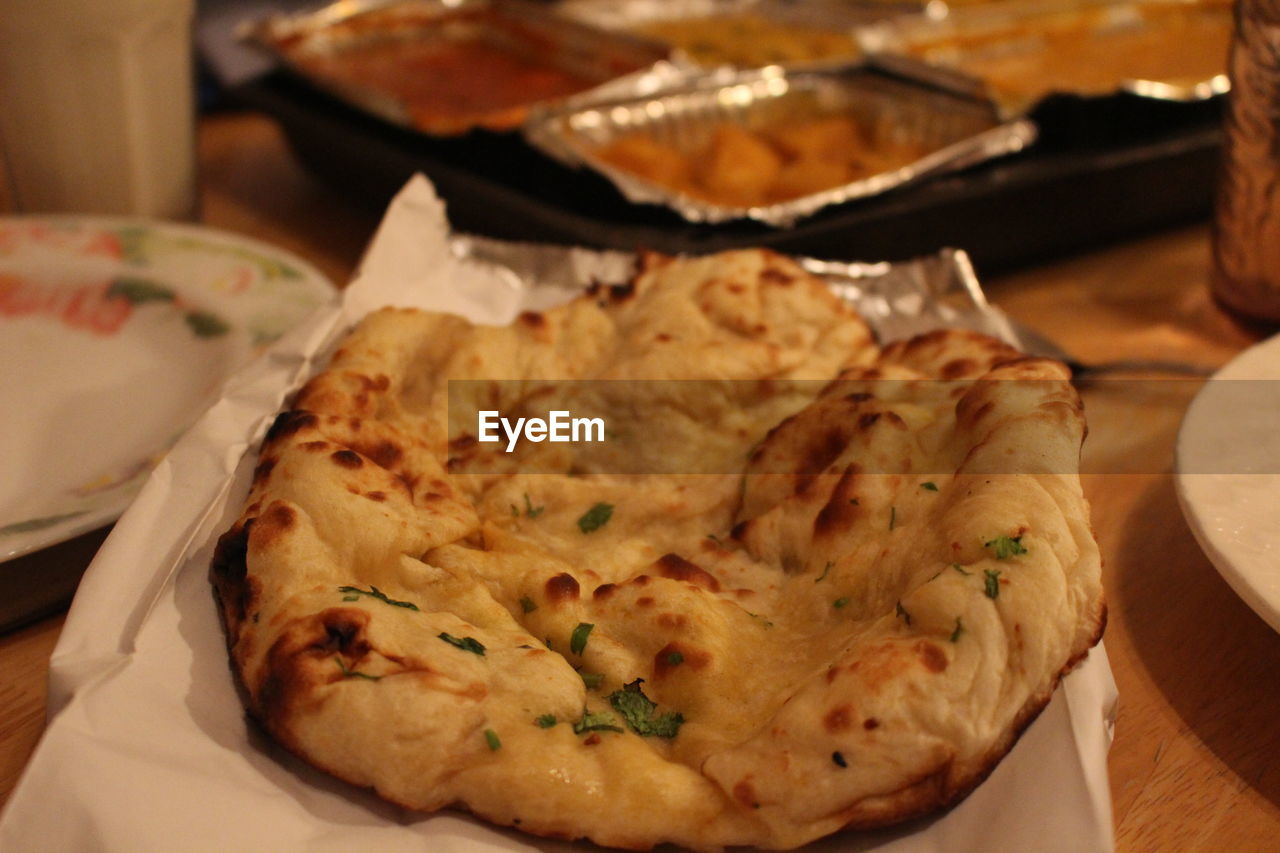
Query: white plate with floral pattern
x,y
115,335
1228,475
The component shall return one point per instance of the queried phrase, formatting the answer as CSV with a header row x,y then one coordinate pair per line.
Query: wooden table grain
x,y
1196,760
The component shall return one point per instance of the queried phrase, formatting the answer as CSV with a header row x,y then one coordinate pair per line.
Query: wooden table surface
x,y
1196,759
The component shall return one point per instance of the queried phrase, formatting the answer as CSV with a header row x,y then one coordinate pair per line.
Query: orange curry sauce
x,y
445,82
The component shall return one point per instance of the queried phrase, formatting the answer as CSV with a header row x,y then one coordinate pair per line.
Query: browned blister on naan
x,y
845,624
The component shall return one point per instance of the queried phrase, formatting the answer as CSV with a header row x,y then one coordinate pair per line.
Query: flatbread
x,y
872,583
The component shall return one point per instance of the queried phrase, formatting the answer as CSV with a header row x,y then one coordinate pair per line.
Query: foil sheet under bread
x,y
898,299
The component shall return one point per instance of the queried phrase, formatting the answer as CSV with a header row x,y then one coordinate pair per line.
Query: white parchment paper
x,y
148,747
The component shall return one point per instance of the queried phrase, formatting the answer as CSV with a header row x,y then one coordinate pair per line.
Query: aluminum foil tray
x,y
445,67
739,33
941,131
1019,52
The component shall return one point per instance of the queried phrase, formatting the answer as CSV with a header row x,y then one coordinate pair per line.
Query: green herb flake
x,y
839,760
528,605
1005,547
840,602
854,502
675,658
595,518
354,592
902,613
491,738
467,644
893,517
638,711
826,570
929,486
992,583
529,509
592,679
545,721
351,673
955,635
596,721
716,539
578,641
959,568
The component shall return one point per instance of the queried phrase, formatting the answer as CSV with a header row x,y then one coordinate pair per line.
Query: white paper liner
x,y
148,747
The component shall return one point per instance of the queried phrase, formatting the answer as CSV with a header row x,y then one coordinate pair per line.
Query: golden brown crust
x,y
909,574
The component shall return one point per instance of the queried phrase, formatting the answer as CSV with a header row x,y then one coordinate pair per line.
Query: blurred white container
x,y
97,111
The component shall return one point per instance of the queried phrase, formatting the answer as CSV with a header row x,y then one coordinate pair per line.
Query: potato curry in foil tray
x,y
776,146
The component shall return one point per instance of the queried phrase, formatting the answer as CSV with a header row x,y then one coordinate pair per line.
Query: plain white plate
x,y
1228,475
115,335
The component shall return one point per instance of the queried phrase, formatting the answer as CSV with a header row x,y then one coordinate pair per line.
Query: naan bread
x,y
846,623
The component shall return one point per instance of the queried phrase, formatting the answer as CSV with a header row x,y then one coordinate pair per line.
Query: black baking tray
x,y
1102,169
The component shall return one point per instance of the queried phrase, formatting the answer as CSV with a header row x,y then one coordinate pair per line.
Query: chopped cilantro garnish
x,y
901,613
545,721
993,583
839,760
596,721
638,710
467,644
1005,547
675,658
960,569
929,486
491,738
527,604
592,679
955,635
354,592
826,570
578,641
529,508
351,673
840,602
595,518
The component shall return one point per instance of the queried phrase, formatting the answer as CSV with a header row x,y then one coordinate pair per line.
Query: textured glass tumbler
x,y
1246,236
97,109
